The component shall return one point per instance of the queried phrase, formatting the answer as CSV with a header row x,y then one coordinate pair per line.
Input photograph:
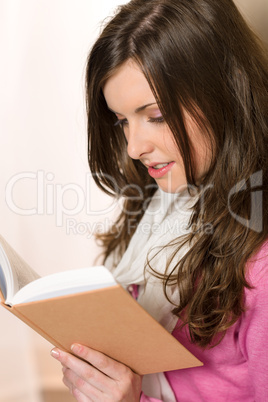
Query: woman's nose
x,y
139,143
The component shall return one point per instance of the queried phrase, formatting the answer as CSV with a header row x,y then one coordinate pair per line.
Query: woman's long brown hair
x,y
201,56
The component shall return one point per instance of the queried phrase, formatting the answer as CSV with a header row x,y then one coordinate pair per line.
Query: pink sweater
x,y
237,369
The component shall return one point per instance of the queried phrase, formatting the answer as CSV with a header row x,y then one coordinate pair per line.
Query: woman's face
x,y
149,138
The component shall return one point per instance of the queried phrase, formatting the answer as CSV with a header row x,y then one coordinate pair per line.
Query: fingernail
x,y
55,353
76,348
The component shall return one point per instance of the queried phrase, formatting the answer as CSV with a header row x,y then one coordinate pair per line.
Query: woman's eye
x,y
159,119
124,122
121,122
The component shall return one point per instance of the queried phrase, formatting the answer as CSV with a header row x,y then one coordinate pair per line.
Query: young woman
x,y
178,126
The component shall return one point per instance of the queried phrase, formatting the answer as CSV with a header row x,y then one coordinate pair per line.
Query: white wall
x,y
44,45
256,13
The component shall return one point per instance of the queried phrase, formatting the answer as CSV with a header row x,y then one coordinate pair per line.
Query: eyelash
x,y
157,120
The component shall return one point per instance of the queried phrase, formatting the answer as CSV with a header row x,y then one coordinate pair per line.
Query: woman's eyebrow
x,y
139,109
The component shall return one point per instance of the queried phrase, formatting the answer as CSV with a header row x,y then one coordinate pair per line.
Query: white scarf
x,y
165,219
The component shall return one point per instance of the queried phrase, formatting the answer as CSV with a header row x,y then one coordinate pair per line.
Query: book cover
x,y
109,320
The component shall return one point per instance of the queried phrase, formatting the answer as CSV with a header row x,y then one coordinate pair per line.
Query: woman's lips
x,y
159,169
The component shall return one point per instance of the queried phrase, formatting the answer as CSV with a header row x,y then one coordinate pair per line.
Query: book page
x,y
3,283
65,283
15,273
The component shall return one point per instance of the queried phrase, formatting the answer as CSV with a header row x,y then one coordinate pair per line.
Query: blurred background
x,y
49,205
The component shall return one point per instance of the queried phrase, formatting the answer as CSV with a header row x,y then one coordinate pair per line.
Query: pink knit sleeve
x,y
254,328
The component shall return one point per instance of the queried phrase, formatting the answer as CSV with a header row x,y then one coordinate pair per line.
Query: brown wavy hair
x,y
201,56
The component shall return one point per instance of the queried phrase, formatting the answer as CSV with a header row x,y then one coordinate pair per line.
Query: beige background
x,y
44,178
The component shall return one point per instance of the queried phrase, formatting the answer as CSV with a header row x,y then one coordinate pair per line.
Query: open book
x,y
88,306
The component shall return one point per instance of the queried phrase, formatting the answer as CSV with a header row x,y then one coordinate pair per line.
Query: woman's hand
x,y
92,376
